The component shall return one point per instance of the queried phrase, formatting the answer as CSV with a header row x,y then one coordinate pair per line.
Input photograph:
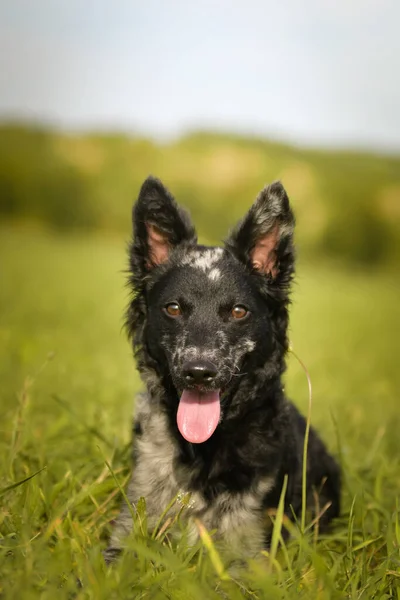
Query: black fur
x,y
260,436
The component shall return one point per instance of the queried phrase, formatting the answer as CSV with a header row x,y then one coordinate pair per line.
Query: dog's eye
x,y
239,312
173,309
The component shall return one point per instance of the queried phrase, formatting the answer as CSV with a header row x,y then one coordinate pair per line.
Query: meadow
x,y
67,387
347,203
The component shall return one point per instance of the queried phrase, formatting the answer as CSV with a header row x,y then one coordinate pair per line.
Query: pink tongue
x,y
198,415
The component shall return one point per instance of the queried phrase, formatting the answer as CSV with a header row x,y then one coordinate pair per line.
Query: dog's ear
x,y
263,240
158,226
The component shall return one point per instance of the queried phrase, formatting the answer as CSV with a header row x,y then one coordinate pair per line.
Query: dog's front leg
x,y
123,524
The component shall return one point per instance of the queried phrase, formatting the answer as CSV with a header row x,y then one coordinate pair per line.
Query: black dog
x,y
209,330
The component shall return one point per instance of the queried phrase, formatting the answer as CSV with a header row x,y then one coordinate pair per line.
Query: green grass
x,y
67,386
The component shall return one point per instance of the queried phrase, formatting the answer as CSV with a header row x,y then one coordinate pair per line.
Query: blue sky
x,y
319,72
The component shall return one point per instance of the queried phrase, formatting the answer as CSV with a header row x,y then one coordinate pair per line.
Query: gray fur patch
x,y
158,477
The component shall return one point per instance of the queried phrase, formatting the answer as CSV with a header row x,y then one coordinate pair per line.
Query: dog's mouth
x,y
198,414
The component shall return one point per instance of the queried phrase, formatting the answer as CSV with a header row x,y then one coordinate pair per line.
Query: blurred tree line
x,y
347,203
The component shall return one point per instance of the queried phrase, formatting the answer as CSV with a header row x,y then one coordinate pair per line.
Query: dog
x,y
209,333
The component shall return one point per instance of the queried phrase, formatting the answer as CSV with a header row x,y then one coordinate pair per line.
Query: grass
x,y
67,385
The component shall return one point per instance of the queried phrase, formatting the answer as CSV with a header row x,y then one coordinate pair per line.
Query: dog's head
x,y
202,319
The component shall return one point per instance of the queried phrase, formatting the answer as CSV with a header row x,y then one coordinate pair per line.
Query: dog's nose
x,y
199,372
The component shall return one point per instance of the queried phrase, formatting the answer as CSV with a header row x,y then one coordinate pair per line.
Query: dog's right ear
x,y
159,225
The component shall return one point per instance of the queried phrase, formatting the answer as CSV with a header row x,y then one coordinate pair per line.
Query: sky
x,y
311,72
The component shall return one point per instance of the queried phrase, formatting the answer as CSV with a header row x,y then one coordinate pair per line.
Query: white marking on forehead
x,y
214,274
203,259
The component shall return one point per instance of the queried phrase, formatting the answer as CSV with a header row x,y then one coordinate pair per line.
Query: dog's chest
x,y
154,476
238,517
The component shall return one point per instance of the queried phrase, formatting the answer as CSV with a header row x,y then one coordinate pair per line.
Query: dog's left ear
x,y
263,240
159,225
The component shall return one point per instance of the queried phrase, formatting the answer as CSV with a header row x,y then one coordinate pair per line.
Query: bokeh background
x,y
217,99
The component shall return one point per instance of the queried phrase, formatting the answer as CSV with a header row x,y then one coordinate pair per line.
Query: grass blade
x,y
305,447
88,428
21,482
277,530
214,556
